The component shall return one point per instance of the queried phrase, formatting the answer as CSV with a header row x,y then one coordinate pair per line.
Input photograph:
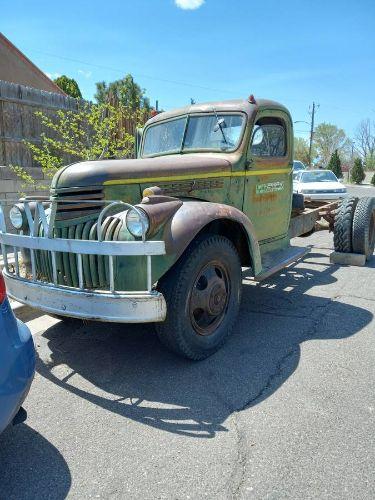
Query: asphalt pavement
x,y
286,409
361,190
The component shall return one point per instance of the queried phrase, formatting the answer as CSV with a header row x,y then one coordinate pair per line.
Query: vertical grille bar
x,y
149,275
94,259
85,258
72,259
5,256
54,268
17,264
111,274
59,260
65,259
80,271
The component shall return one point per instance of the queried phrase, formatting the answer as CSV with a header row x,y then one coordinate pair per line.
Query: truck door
x,y
268,179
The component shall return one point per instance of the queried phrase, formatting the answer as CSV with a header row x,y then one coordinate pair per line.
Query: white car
x,y
318,185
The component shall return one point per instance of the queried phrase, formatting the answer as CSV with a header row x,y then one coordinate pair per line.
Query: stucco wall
x,y
17,68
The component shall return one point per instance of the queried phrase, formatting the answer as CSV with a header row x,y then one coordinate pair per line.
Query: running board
x,y
278,259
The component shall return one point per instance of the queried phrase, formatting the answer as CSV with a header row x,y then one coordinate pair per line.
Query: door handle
x,y
248,163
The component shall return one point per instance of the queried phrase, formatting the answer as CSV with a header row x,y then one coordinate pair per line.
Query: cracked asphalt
x,y
285,410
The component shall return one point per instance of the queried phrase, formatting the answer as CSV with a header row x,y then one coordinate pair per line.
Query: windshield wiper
x,y
218,126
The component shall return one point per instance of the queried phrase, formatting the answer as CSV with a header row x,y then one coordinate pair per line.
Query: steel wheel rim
x,y
209,298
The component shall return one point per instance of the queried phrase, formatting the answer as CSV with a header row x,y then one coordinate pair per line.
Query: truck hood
x,y
97,173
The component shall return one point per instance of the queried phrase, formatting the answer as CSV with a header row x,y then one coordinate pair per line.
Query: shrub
x,y
94,131
357,173
335,164
69,86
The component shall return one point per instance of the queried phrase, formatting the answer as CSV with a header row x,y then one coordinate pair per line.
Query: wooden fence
x,y
18,122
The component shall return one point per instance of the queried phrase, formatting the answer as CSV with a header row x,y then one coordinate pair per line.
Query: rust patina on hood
x,y
97,173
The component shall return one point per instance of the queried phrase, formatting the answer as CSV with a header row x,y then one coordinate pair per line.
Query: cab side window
x,y
269,138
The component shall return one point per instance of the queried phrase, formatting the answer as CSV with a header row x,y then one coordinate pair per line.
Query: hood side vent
x,y
82,202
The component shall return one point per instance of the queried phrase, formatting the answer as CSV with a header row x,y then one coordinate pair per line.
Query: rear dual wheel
x,y
364,227
343,228
203,293
354,229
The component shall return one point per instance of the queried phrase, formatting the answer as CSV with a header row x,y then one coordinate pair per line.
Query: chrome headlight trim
x,y
16,217
137,222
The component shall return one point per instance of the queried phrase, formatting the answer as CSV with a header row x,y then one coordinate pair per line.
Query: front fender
x,y
178,232
193,216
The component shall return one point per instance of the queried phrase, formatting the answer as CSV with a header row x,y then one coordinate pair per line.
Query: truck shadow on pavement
x,y
31,467
124,369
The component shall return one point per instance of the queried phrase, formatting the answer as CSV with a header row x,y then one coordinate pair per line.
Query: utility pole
x,y
311,131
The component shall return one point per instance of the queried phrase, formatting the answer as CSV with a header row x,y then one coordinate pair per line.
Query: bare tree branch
x,y
365,138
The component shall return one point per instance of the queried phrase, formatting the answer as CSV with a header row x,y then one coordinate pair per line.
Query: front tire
x,y
203,294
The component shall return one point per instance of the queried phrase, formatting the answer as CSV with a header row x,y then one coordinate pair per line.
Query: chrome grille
x,y
95,267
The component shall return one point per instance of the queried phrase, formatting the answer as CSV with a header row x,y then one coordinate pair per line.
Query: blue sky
x,y
294,51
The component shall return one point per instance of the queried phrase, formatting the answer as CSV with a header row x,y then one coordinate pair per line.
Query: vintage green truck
x,y
163,238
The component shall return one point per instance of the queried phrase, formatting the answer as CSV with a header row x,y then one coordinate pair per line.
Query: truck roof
x,y
243,105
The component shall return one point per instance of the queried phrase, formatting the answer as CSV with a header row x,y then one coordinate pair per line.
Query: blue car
x,y
17,363
298,165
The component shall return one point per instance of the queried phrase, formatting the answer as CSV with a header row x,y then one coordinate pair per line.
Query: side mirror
x,y
257,137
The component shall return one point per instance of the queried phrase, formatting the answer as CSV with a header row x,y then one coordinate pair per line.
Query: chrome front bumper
x,y
135,307
50,296
324,196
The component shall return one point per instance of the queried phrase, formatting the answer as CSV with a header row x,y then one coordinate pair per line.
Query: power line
x,y
138,75
166,80
150,77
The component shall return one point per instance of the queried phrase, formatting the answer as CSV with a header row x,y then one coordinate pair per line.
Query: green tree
x,y
125,91
357,174
301,150
69,86
328,138
335,164
90,133
373,180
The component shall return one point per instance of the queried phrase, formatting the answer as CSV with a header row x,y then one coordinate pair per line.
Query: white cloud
x,y
189,4
86,74
52,76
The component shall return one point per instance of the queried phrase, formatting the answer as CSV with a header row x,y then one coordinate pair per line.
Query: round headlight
x,y
15,216
137,222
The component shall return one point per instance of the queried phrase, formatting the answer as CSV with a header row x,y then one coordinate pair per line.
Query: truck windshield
x,y
210,132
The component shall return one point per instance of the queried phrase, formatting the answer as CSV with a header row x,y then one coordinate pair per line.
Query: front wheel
x,y
203,294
